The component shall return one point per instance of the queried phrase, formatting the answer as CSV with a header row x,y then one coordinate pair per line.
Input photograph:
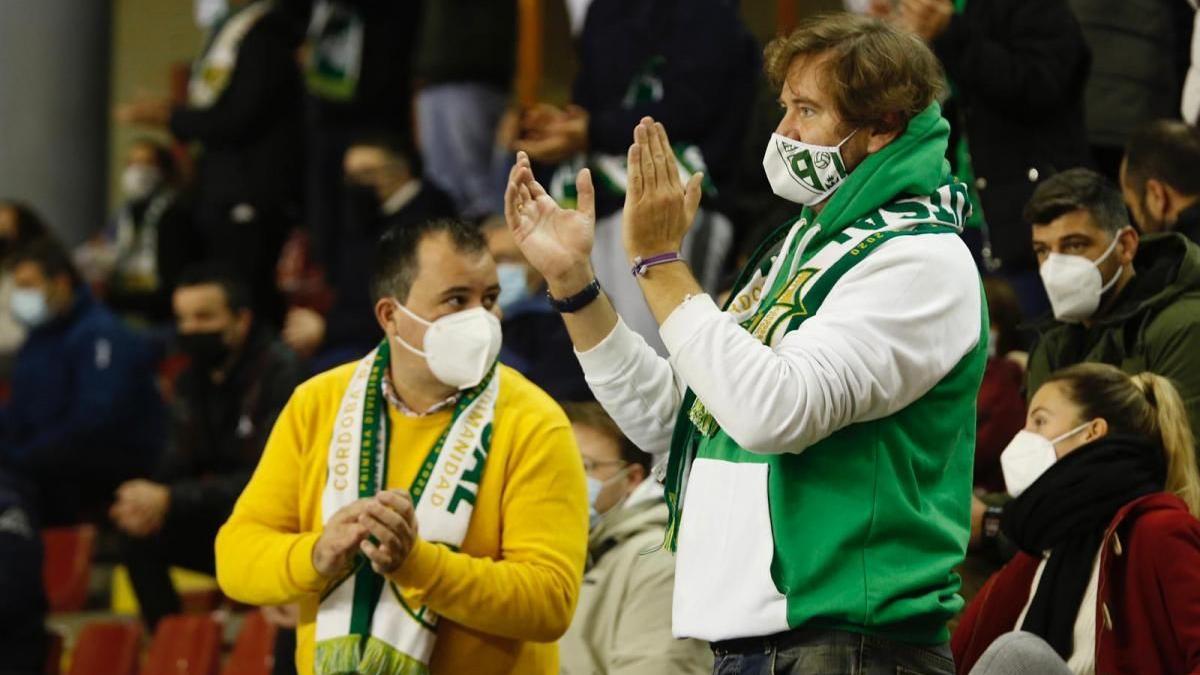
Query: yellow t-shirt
x,y
504,598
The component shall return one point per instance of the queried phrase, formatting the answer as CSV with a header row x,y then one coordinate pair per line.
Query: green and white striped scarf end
x,y
344,656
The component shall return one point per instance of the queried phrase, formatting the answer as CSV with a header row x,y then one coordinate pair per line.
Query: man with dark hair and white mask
x,y
424,505
1118,298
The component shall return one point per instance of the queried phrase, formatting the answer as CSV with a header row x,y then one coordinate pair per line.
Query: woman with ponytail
x,y
1106,495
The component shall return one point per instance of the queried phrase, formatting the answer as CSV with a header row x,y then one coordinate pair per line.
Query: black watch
x,y
578,301
991,522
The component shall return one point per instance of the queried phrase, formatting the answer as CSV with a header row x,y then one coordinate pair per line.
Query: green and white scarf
x,y
336,35
779,292
212,71
365,624
903,189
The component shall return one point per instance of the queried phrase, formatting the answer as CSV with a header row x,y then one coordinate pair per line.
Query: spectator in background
x,y
1118,298
239,378
623,621
19,225
23,612
1019,69
243,109
1160,178
85,413
639,58
535,339
1107,494
136,260
476,510
1001,405
1128,301
1139,61
466,55
358,73
382,191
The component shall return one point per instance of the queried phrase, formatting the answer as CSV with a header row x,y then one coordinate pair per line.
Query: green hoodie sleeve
x,y
1172,351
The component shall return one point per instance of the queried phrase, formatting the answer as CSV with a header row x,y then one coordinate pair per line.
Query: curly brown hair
x,y
879,76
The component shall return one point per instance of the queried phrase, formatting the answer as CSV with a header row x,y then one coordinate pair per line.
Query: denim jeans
x,y
456,123
821,652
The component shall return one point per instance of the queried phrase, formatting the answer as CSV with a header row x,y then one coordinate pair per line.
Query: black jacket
x,y
1140,55
351,322
1019,68
23,611
1188,223
179,246
219,430
382,98
252,150
467,41
709,69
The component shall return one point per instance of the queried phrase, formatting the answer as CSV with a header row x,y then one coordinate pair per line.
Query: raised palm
x,y
556,241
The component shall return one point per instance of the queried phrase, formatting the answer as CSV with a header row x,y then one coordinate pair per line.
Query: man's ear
x,y
884,133
637,474
244,319
61,287
1127,247
1156,199
385,311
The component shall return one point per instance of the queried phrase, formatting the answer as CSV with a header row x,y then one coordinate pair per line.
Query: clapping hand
x,y
556,241
389,517
659,209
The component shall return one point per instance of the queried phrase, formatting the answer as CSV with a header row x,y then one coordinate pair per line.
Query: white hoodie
x,y
1190,108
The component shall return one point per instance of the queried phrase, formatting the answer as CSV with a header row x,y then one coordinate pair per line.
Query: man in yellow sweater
x,y
426,506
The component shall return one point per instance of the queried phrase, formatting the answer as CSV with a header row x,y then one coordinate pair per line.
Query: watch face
x,y
991,521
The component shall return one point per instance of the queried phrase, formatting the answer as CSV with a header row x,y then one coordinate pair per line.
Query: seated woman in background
x,y
1106,493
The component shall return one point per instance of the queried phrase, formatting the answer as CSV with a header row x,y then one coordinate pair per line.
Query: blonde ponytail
x,y
1171,419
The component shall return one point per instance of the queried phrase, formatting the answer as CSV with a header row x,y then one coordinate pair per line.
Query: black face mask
x,y
207,350
361,207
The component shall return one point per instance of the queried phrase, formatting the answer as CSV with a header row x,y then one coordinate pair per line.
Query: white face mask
x,y
594,487
461,347
802,172
139,181
29,306
1028,456
1075,285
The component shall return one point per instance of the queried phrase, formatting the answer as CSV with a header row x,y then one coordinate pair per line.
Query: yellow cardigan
x,y
504,599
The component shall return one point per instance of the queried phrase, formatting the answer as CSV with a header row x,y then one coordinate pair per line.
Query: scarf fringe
x,y
340,656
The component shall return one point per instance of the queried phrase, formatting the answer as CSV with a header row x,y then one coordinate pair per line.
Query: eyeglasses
x,y
590,465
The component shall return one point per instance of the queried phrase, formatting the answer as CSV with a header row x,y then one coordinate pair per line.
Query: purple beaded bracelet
x,y
640,265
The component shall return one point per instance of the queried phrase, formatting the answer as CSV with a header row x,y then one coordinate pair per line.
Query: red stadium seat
x,y
185,645
66,564
107,648
254,652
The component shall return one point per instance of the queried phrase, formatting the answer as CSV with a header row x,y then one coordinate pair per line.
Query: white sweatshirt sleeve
x,y
636,386
1190,100
889,331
